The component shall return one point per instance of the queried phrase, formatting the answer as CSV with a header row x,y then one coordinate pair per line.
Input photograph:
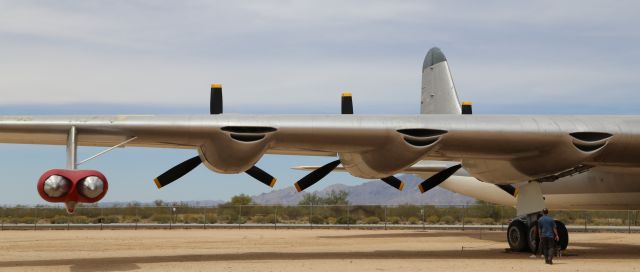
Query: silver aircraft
x,y
527,161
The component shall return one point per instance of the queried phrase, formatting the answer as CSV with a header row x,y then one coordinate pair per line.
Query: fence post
x,y
101,217
170,217
2,218
239,215
385,217
629,219
35,218
348,218
585,221
501,218
423,218
137,218
310,216
464,213
275,218
204,217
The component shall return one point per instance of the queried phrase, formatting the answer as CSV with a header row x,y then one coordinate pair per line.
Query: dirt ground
x,y
301,250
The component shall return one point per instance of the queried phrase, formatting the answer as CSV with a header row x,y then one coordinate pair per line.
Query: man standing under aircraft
x,y
548,236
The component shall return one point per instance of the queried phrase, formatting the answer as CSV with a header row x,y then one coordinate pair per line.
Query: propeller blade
x,y
438,178
510,189
177,172
316,176
215,103
347,103
261,176
394,182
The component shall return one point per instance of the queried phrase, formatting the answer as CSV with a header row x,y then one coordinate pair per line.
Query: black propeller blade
x,y
508,188
394,182
438,178
347,103
261,176
215,101
177,172
316,176
467,107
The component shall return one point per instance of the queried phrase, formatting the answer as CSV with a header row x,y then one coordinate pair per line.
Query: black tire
x,y
533,239
517,236
563,235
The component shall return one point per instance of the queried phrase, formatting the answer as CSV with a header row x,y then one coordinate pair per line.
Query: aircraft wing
x,y
498,149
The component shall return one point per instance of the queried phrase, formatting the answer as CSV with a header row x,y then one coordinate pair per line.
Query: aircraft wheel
x,y
517,236
533,239
563,235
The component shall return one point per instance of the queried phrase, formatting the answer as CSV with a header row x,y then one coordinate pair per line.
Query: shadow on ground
x,y
582,251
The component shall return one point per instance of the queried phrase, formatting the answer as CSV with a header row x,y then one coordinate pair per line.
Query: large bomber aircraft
x,y
530,161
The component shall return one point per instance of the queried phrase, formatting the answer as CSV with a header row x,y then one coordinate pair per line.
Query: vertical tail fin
x,y
438,92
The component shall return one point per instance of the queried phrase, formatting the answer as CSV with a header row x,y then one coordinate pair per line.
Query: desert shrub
x,y
316,219
483,221
212,218
371,220
59,219
193,219
161,218
433,219
394,220
343,220
447,220
414,220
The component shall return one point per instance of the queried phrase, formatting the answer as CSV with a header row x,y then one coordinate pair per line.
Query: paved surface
x,y
300,250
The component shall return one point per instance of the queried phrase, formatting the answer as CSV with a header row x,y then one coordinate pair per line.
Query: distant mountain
x,y
374,192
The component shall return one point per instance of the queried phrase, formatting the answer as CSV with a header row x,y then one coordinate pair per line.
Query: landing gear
x,y
563,235
521,234
517,235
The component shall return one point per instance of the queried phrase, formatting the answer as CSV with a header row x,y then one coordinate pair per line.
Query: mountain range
x,y
373,192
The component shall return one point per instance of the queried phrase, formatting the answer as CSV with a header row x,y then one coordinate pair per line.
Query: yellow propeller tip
x,y
157,182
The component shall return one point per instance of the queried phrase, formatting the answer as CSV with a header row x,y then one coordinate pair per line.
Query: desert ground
x,y
301,250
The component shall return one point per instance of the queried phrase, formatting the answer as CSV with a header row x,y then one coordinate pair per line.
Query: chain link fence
x,y
463,217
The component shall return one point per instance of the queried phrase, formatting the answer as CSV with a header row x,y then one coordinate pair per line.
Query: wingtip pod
x,y
401,187
273,182
297,186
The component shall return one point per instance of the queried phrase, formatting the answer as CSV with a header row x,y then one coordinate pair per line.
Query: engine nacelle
x,y
235,149
402,149
72,187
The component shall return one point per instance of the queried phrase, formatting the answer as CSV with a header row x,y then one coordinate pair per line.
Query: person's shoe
x,y
550,261
533,256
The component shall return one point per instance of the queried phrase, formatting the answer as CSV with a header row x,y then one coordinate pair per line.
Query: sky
x,y
294,57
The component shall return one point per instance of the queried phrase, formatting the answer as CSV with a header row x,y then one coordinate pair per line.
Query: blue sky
x,y
85,57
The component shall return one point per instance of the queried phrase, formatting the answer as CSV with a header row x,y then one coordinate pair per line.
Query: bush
x,y
434,219
372,220
161,218
59,219
193,219
259,219
316,219
211,218
483,221
447,220
394,220
414,220
110,219
343,220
